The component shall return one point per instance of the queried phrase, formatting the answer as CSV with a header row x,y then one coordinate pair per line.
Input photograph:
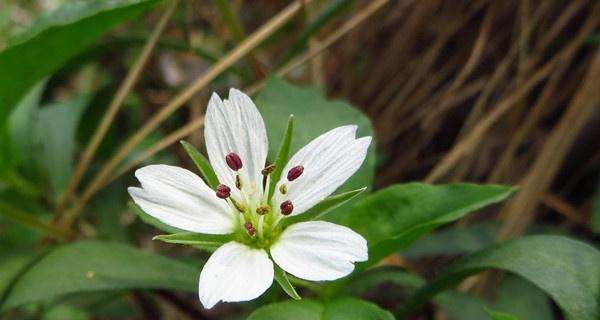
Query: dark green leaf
x,y
567,270
202,163
313,116
200,240
324,207
56,127
284,282
283,155
399,214
341,309
55,38
495,315
89,266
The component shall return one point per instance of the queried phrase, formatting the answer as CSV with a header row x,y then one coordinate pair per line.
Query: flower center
x,y
259,222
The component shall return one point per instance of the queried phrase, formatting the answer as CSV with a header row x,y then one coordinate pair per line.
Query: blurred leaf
x,y
19,124
495,315
56,128
88,266
522,298
11,267
399,214
567,270
313,116
26,219
453,241
53,39
342,309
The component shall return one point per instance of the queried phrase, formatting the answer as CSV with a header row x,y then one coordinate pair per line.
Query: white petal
x,y
181,199
235,125
328,161
235,272
319,250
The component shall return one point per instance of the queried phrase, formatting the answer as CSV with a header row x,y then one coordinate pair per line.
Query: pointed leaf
x,y
202,163
346,308
324,207
283,155
400,214
285,284
200,240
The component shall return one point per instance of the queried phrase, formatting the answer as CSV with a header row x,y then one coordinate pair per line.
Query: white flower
x,y
237,146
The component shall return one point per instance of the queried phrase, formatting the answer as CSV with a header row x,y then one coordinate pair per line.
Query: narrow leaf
x,y
283,154
202,163
201,240
323,207
285,284
28,220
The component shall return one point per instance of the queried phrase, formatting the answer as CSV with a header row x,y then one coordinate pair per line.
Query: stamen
x,y
223,191
240,207
283,188
250,228
233,161
238,182
263,209
286,207
295,172
268,170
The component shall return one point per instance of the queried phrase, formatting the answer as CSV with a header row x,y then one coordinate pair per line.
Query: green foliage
x,y
283,155
399,214
199,240
88,266
341,309
55,38
567,270
313,116
284,282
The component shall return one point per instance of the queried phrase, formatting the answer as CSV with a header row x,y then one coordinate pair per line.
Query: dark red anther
x,y
286,207
233,161
250,228
295,172
223,191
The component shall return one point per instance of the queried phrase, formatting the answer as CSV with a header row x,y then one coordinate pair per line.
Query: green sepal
x,y
202,163
199,240
282,155
323,207
285,284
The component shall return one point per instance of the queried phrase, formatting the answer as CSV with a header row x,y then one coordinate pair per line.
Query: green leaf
x,y
496,315
54,39
313,116
283,155
202,163
284,282
56,128
347,308
12,267
324,207
400,214
90,266
200,240
567,270
28,220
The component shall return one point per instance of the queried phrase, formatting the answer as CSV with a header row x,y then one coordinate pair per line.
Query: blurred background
x,y
485,91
